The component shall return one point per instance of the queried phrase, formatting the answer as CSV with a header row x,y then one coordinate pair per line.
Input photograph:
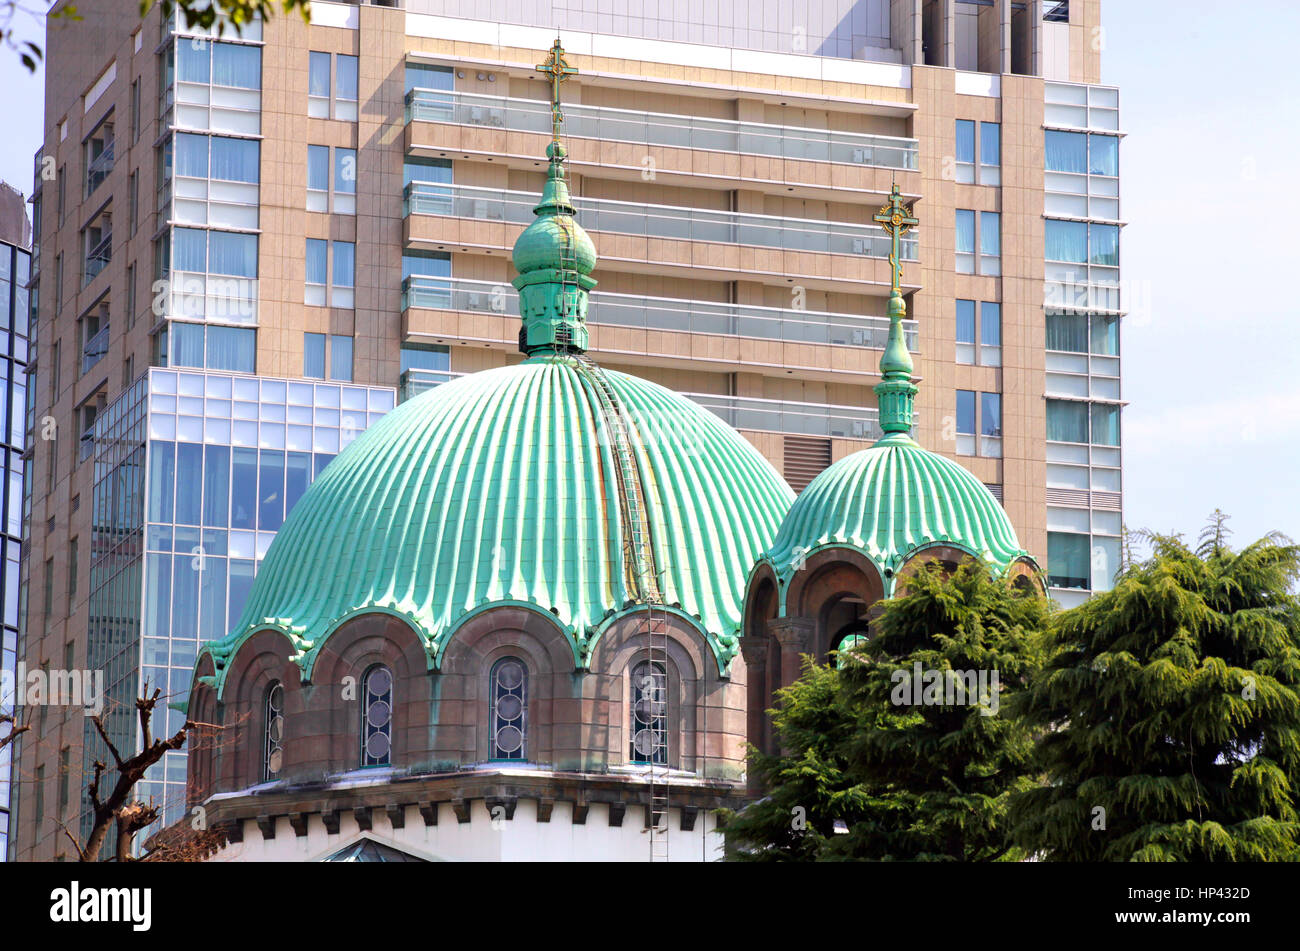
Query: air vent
x,y
996,491
805,456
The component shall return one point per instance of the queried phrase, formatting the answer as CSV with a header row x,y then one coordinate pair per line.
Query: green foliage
x,y
1172,703
919,782
238,13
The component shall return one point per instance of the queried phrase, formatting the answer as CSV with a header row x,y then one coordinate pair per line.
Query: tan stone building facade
x,y
729,188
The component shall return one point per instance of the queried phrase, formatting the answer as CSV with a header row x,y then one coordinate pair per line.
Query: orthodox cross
x,y
897,221
558,70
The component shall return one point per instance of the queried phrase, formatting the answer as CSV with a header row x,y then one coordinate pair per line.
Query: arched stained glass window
x,y
509,693
377,717
649,714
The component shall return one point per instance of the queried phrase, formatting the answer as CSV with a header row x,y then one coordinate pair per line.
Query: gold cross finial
x,y
558,70
897,221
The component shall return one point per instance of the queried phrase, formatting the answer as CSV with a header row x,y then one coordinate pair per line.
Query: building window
x,y
273,738
1067,560
1067,421
982,231
99,155
1081,251
426,76
130,296
93,329
377,717
216,180
331,186
979,321
331,352
332,94
49,581
97,246
214,347
979,152
135,111
649,714
215,86
72,576
133,197
425,356
1056,11
509,691
982,417
330,264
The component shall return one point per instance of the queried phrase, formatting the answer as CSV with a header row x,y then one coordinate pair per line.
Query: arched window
x,y
649,714
509,693
377,717
847,645
273,732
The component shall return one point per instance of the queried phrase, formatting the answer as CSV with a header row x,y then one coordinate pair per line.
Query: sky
x,y
1212,196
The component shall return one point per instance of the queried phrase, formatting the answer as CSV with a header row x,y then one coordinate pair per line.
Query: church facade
x,y
538,612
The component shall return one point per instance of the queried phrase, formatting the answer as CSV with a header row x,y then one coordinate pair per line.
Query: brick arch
x,y
949,556
462,733
1025,575
323,732
706,726
829,576
258,662
202,744
762,600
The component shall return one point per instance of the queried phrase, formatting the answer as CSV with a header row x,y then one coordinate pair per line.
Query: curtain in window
x,y
187,350
965,321
316,260
341,358
1066,151
966,412
423,76
990,233
1068,332
416,356
318,80
313,356
1067,421
345,170
1104,241
1067,560
990,143
232,348
1105,424
965,231
345,78
965,140
192,61
1066,241
216,485
235,160
1103,155
189,251
233,254
990,324
344,263
236,65
318,167
990,414
191,155
1105,336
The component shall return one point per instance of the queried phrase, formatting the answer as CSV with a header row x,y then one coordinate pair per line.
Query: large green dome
x,y
889,502
498,488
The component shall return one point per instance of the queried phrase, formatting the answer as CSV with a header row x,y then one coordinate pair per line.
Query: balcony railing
x,y
658,129
97,258
661,313
778,416
659,221
98,168
94,349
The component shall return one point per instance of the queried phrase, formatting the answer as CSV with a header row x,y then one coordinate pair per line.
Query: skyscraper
x,y
324,213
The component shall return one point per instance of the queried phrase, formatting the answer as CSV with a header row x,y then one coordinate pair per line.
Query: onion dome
x,y
895,499
500,488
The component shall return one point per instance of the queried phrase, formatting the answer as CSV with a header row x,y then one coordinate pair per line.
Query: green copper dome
x,y
890,501
498,488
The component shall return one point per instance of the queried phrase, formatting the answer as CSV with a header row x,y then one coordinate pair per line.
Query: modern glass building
x,y
15,271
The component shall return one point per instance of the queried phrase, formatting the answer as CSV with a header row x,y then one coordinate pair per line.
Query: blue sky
x,y
1210,186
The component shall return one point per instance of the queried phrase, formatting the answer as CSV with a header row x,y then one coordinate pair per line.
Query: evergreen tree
x,y
912,774
1169,711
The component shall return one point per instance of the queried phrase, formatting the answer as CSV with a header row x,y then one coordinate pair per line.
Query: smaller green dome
x,y
890,501
554,242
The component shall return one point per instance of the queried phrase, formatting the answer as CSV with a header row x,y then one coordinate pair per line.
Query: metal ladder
x,y
639,565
